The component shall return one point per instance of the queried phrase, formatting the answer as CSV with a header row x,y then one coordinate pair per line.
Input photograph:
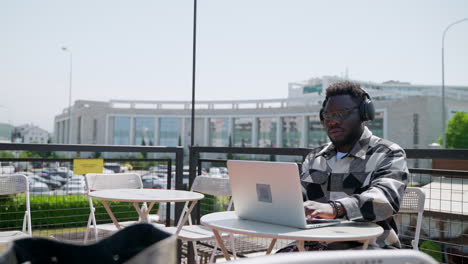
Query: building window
x,y
144,131
292,127
219,132
78,131
242,132
316,134
169,131
68,131
95,131
267,132
121,135
64,135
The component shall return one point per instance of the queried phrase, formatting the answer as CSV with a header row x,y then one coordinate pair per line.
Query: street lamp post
x,y
66,49
194,51
444,139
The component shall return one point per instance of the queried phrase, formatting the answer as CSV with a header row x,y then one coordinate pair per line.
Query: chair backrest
x,y
10,184
102,181
212,186
413,202
208,185
18,183
106,181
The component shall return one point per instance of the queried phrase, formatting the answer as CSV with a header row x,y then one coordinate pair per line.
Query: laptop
x,y
270,192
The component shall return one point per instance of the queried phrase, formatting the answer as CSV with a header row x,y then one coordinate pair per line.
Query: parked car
x,y
25,173
53,172
115,167
39,188
61,179
151,184
160,169
6,168
73,188
154,169
53,184
154,181
223,171
78,179
62,169
38,164
107,171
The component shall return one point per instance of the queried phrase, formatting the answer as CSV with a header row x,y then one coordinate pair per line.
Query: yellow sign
x,y
83,166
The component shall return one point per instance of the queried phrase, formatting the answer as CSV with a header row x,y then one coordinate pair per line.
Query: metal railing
x,y
445,218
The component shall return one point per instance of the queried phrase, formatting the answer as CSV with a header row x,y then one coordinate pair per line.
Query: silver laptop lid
x,y
267,191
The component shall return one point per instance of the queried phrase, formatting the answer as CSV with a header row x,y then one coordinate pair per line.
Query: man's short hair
x,y
346,87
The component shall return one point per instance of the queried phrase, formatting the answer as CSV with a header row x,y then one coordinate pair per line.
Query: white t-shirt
x,y
340,155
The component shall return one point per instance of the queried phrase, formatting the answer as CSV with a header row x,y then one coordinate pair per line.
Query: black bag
x,y
139,243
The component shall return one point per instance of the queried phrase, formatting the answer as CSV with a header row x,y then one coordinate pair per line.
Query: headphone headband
x,y
366,107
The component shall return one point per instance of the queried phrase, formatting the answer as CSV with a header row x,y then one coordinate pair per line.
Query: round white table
x,y
137,196
346,231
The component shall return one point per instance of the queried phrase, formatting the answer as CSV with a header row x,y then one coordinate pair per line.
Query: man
x,y
357,175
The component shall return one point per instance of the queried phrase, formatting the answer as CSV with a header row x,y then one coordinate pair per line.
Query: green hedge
x,y
212,204
50,212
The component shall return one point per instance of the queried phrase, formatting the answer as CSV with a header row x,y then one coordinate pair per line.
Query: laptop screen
x,y
267,191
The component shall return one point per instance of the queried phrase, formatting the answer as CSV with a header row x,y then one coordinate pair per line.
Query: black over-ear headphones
x,y
366,108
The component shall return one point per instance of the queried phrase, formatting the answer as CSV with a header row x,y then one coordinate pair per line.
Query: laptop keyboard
x,y
321,221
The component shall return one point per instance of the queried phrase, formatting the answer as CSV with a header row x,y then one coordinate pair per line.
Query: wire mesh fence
x,y
59,205
445,223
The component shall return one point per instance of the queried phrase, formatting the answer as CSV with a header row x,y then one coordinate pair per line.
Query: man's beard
x,y
349,139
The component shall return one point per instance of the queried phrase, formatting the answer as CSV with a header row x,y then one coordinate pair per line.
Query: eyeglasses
x,y
338,115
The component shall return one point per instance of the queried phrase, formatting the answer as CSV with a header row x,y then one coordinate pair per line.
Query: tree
x,y
143,143
456,132
272,157
6,154
230,155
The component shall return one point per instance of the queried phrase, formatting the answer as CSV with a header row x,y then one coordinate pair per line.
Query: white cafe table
x,y
137,196
346,231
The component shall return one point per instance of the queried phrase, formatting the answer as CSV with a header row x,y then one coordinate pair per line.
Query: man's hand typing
x,y
319,210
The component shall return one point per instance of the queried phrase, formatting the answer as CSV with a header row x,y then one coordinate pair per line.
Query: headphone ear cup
x,y
367,110
370,110
362,111
322,109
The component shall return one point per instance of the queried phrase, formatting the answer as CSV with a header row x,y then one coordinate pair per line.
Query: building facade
x,y
30,134
5,132
405,113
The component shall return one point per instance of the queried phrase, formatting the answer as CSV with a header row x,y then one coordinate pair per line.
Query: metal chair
x,y
413,202
95,182
192,233
13,184
400,256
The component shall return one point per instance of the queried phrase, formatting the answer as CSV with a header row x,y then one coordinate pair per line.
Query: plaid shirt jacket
x,y
369,182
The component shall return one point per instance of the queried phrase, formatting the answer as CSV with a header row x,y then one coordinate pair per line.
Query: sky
x,y
246,49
